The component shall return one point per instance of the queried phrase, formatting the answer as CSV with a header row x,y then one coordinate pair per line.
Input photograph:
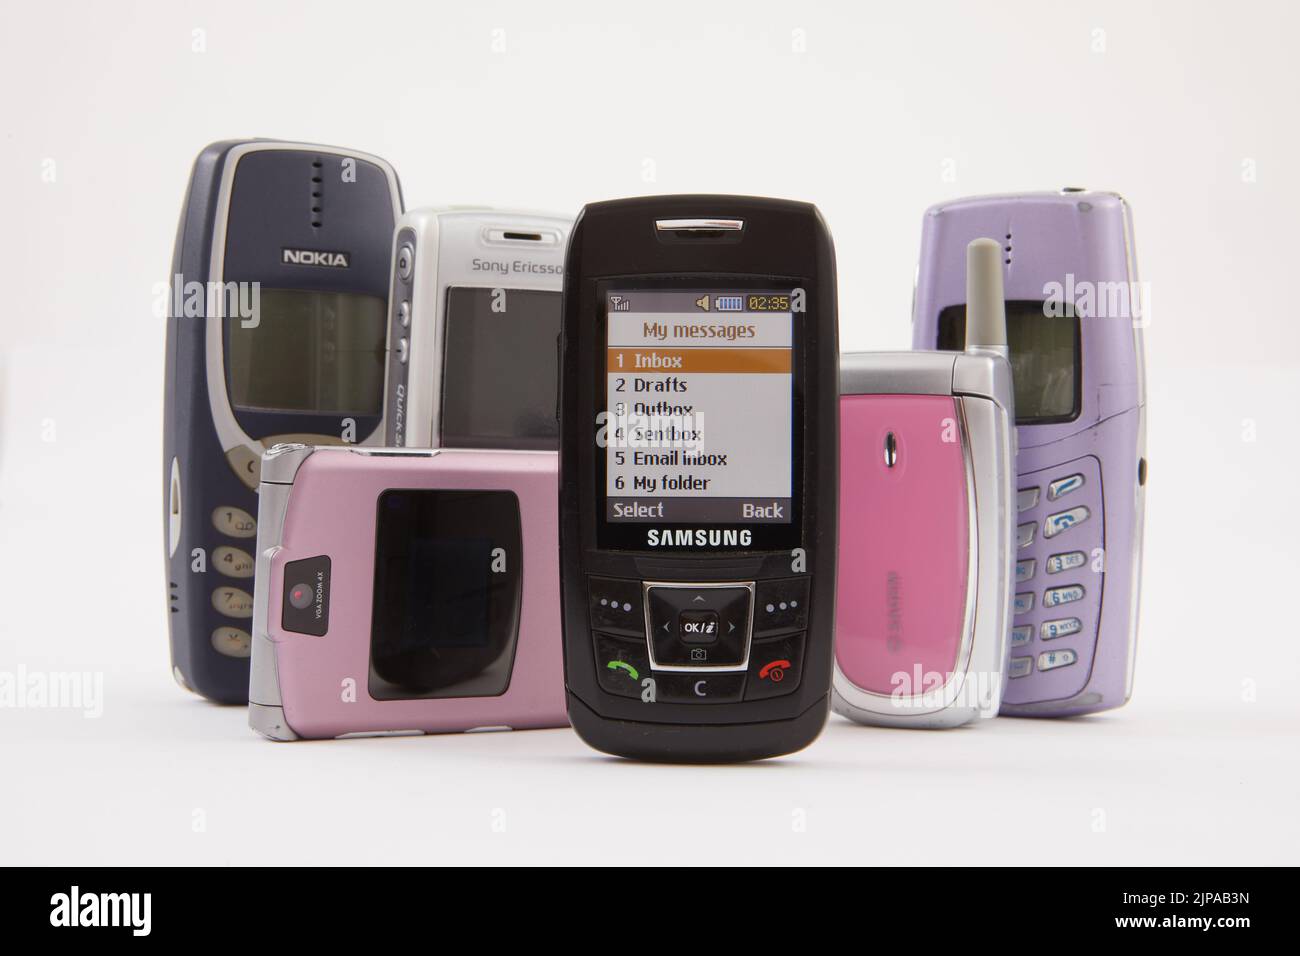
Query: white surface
x,y
1202,767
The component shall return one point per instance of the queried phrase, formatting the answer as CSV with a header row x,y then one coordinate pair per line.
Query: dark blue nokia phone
x,y
276,332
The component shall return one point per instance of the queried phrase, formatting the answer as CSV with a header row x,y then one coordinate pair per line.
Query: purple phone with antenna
x,y
1074,326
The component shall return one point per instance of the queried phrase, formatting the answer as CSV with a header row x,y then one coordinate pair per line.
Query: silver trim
x,y
699,225
1140,491
265,704
229,434
701,668
270,723
891,373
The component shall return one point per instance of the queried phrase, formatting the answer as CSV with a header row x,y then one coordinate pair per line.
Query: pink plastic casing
x,y
900,608
331,510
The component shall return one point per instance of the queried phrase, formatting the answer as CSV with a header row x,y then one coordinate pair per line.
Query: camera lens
x,y
301,596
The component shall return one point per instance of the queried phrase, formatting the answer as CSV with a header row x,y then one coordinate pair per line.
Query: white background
x,y
1185,100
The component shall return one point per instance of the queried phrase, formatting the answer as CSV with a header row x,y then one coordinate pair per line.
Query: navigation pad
x,y
699,643
695,626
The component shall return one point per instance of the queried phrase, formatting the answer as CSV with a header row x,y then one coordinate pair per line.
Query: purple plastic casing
x,y
1048,237
323,501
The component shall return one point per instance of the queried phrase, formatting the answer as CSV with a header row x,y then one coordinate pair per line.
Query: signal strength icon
x,y
620,303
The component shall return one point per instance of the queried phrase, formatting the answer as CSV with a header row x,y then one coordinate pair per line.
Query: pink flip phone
x,y
406,591
926,505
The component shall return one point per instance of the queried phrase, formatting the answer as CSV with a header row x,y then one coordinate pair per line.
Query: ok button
x,y
698,627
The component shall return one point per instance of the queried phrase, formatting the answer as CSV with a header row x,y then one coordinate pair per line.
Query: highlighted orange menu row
x,y
775,360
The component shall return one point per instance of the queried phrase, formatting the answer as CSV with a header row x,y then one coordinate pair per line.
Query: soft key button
x,y
615,605
1063,486
781,605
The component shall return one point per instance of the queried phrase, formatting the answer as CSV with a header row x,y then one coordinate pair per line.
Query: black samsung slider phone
x,y
698,474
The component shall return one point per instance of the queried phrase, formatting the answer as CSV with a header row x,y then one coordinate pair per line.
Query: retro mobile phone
x,y
475,321
926,500
312,226
697,512
406,591
1077,358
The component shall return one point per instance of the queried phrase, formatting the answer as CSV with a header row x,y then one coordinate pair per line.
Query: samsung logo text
x,y
699,538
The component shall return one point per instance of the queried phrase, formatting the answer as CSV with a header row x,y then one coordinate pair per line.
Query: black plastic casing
x,y
618,240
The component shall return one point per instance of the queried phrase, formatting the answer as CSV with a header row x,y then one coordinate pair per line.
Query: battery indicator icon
x,y
730,303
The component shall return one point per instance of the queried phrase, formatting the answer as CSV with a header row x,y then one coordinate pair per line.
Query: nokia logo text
x,y
314,257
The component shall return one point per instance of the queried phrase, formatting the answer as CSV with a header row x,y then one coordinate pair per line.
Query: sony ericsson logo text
x,y
699,537
516,267
314,257
75,908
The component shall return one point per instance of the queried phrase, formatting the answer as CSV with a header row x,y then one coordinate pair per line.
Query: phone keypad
x,y
232,562
1026,499
1064,521
1066,562
1062,627
723,643
232,641
1063,486
1025,570
233,602
234,522
1059,537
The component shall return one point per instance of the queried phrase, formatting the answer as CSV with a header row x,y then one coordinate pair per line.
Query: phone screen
x,y
1045,358
446,603
699,429
501,369
309,352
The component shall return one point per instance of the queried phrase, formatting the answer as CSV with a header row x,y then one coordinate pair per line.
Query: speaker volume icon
x,y
703,302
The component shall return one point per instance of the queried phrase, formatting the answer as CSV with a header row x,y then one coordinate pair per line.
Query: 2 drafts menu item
x,y
699,395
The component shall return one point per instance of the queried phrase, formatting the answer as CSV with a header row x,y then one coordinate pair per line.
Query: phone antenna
x,y
986,312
